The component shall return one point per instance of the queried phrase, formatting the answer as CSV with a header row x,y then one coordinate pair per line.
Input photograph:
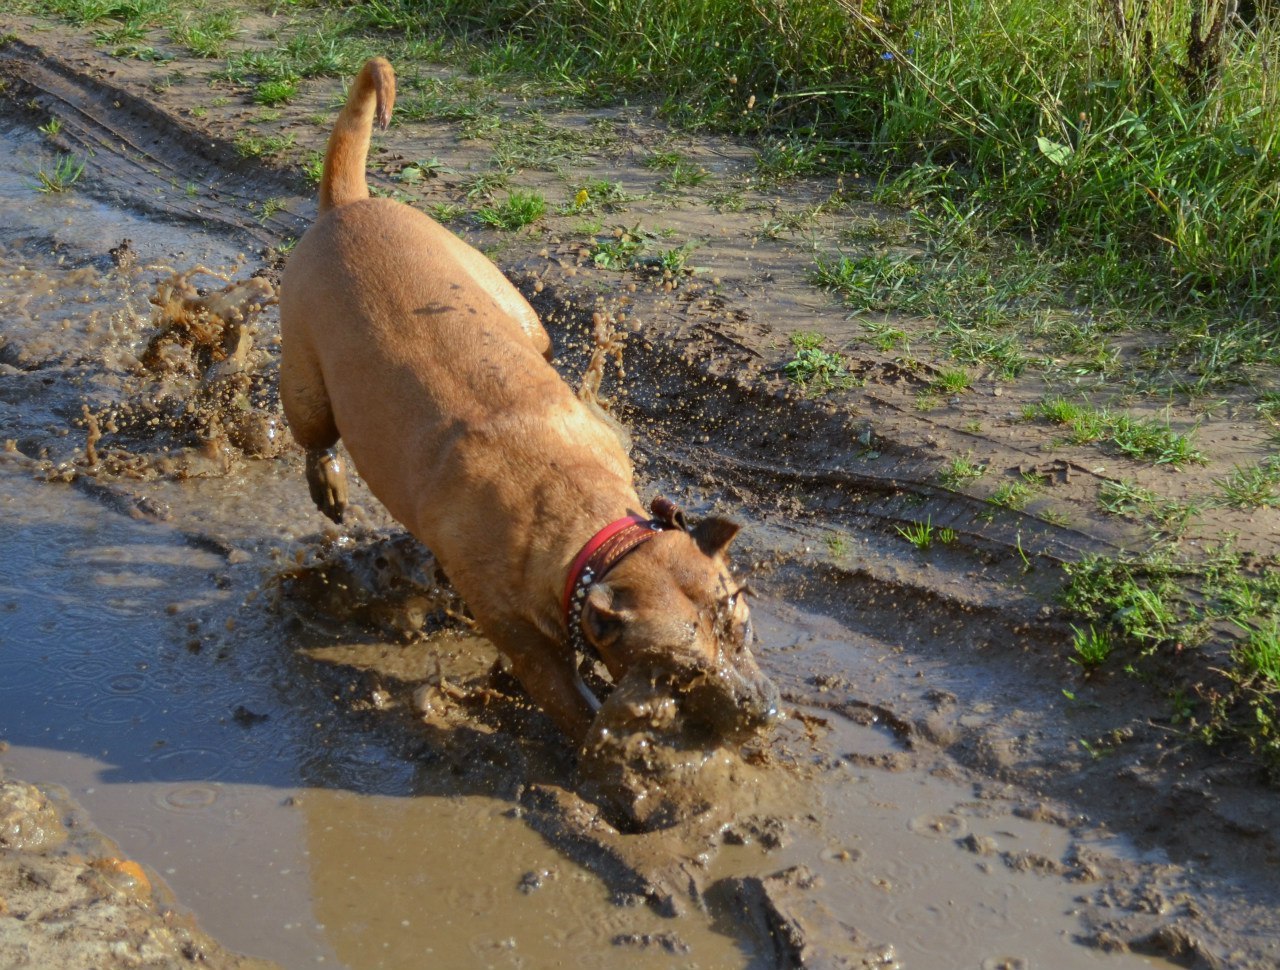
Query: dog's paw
x,y
327,480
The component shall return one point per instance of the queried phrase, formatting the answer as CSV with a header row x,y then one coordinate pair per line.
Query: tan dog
x,y
414,349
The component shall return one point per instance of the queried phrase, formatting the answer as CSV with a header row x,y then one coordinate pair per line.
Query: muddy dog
x,y
414,349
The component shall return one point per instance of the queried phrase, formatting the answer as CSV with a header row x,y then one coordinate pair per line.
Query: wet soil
x,y
259,707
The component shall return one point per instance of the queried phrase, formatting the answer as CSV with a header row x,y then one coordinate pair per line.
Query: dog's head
x,y
673,608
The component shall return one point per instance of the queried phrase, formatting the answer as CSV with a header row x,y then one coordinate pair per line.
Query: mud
x,y
259,707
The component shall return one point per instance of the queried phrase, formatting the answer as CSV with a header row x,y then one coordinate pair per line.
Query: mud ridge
x,y
133,144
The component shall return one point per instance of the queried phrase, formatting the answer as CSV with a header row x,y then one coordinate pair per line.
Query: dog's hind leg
x,y
310,417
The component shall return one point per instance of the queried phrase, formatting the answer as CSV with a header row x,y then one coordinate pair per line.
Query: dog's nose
x,y
731,703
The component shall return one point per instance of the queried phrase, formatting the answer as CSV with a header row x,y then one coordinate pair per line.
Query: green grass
x,y
1139,438
814,368
275,90
64,174
1252,487
253,145
517,210
961,471
1091,647
207,33
1155,607
923,535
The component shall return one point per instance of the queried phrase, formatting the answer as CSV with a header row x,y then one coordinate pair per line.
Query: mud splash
x,y
373,800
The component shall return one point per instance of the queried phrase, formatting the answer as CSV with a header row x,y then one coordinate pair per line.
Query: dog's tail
x,y
371,97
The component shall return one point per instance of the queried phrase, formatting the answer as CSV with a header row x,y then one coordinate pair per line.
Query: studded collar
x,y
602,552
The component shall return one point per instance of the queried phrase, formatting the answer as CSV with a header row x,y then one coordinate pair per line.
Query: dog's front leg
x,y
548,673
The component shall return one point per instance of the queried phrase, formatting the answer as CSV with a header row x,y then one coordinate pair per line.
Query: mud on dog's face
x,y
671,609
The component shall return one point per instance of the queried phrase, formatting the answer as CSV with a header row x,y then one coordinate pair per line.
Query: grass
x,y
923,535
1138,438
1155,607
275,91
1091,647
960,471
207,33
253,145
517,210
815,368
64,174
1250,487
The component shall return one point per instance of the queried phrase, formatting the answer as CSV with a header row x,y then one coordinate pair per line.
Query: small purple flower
x,y
887,56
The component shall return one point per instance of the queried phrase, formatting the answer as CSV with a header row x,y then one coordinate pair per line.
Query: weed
x,y
1140,438
1259,655
253,145
598,195
682,176
1012,494
814,367
52,127
620,252
64,174
275,90
663,160
922,535
447,211
1268,405
960,471
1125,497
208,34
837,545
952,381
486,184
313,167
1091,647
517,210
1252,487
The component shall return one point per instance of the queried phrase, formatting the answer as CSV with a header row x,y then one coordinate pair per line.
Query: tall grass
x,y
1102,126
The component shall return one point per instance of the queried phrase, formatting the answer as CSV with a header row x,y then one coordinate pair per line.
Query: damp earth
x,y
225,719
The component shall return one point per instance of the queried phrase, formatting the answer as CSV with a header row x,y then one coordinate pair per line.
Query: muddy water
x,y
144,667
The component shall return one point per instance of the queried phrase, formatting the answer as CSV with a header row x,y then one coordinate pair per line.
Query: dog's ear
x,y
601,621
713,534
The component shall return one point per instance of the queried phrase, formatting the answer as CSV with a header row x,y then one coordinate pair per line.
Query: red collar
x,y
603,551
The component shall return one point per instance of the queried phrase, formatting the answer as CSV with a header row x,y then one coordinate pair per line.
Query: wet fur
x,y
414,349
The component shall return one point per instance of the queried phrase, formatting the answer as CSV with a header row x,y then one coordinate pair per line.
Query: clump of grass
x,y
960,471
1012,494
924,534
64,174
684,176
622,251
1252,487
275,90
1091,647
253,145
207,34
813,367
1140,438
597,195
952,380
517,210
51,128
1156,607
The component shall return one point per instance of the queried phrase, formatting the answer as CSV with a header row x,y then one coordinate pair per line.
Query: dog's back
x,y
413,348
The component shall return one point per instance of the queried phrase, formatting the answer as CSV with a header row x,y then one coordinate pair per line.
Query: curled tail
x,y
372,95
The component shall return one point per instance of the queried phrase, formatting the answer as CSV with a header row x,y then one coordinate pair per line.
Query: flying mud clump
x,y
203,395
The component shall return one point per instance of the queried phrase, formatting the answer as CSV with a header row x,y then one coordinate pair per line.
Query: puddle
x,y
144,670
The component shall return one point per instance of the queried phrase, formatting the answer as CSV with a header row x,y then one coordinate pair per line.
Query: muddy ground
x,y
937,675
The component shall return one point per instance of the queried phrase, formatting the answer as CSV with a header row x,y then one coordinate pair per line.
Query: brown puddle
x,y
274,767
